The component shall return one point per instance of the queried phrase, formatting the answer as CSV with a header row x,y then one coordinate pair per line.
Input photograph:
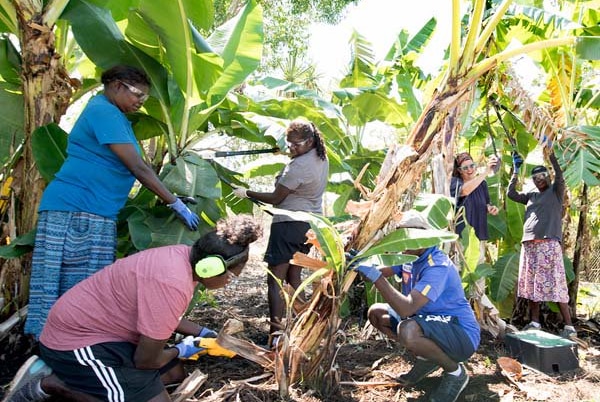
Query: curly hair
x,y
128,74
230,237
306,130
458,160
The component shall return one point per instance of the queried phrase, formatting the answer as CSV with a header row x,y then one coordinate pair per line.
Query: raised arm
x,y
512,193
559,180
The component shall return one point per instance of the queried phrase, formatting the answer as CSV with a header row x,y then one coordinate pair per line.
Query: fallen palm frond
x,y
245,349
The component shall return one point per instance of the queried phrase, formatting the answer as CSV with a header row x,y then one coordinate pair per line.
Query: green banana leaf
x,y
11,122
11,100
503,282
409,239
49,147
436,207
19,246
371,106
119,9
170,22
100,38
580,157
239,43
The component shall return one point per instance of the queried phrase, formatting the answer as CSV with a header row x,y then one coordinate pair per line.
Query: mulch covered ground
x,y
361,363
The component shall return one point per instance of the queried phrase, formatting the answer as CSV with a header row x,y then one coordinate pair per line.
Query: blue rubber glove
x,y
369,271
547,141
187,347
517,161
207,333
190,219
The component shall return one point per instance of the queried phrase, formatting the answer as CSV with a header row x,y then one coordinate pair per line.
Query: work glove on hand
x,y
187,347
546,140
240,192
369,271
207,333
517,161
190,219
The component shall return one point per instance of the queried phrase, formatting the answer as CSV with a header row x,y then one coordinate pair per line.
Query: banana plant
x,y
306,348
191,77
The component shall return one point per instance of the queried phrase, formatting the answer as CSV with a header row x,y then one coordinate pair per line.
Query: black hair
x,y
230,237
460,158
128,74
308,130
538,169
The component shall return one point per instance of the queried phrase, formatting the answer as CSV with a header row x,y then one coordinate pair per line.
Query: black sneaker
x,y
420,370
24,386
451,386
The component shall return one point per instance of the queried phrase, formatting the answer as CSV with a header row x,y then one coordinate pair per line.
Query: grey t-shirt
x,y
543,212
306,177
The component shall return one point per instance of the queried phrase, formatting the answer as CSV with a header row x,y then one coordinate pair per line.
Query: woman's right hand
x,y
493,164
239,192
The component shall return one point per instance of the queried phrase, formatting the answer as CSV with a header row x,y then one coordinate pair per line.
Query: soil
x,y
361,361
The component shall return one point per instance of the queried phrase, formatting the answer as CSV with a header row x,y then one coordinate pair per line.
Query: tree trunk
x,y
582,246
46,93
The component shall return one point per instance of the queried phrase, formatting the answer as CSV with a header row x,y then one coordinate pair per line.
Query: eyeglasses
x,y
296,144
539,176
141,95
467,167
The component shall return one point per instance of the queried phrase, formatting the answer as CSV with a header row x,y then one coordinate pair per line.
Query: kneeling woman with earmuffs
x,y
106,337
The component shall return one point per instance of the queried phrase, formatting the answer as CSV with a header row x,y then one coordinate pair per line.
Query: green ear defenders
x,y
215,265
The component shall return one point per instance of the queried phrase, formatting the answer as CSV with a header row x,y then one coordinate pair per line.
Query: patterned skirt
x,y
542,272
69,247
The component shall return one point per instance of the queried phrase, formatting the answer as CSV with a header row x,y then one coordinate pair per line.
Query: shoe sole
x,y
21,372
405,382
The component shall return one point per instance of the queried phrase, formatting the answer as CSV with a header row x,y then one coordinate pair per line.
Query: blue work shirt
x,y
434,275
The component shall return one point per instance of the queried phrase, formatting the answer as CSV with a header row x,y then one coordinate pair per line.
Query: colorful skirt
x,y
542,272
69,247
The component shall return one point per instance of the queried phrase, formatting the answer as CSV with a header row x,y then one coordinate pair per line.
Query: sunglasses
x,y
141,95
296,144
467,167
540,176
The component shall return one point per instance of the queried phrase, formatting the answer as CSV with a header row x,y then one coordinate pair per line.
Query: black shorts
x,y
445,332
286,238
105,371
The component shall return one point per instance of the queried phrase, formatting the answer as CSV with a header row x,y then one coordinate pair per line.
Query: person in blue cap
x,y
430,316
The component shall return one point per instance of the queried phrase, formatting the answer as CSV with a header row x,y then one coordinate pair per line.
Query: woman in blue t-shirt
x,y
76,231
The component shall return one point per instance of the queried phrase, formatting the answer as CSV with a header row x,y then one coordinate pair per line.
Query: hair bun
x,y
240,230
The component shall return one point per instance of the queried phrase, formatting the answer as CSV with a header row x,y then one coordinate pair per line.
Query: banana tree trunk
x,y
46,93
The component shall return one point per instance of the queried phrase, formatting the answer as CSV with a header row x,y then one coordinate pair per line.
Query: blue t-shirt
x,y
92,178
434,275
